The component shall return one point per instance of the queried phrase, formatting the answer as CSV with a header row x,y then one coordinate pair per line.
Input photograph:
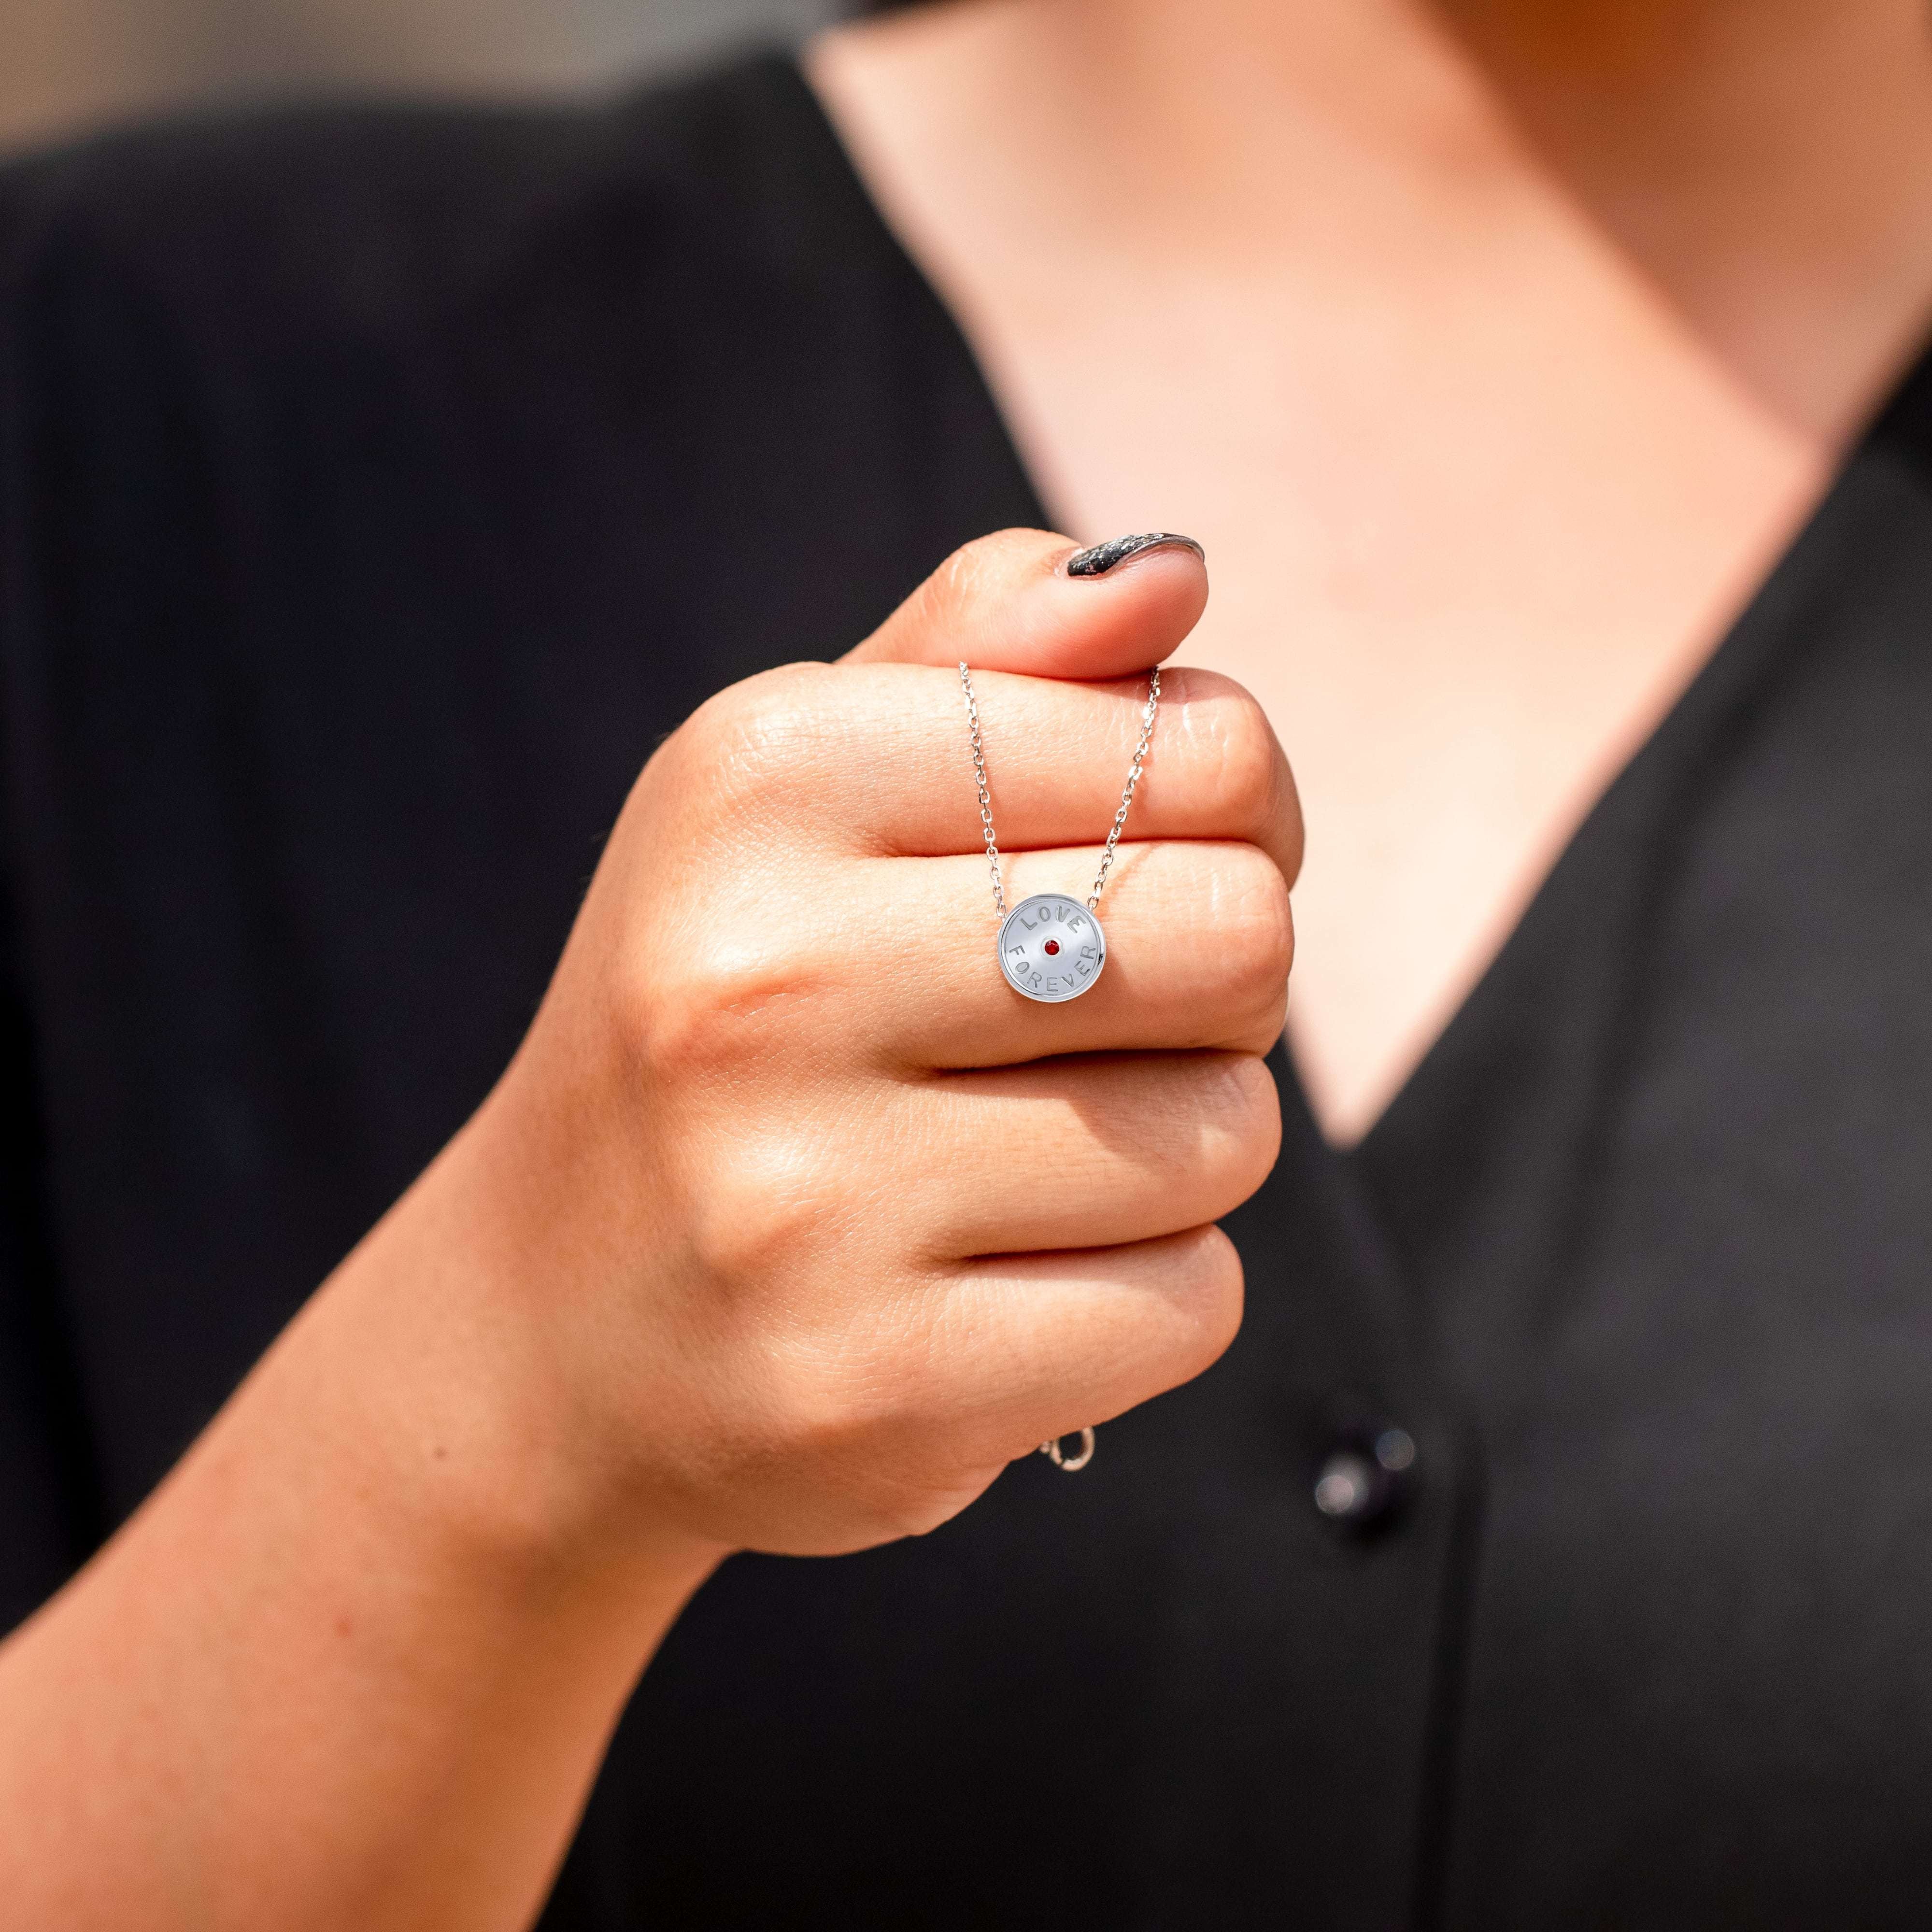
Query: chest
x,y
1476,510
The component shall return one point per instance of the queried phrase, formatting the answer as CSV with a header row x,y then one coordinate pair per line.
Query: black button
x,y
1366,1476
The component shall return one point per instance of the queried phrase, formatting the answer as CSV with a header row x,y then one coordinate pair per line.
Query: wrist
x,y
462,1312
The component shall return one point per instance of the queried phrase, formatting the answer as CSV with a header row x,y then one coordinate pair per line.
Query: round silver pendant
x,y
1051,949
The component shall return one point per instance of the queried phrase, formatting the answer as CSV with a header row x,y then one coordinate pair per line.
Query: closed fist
x,y
827,1222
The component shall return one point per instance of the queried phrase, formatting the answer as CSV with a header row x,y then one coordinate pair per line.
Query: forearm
x,y
736,1255
356,1661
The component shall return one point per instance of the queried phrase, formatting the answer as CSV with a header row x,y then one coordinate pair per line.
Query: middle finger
x,y
1199,938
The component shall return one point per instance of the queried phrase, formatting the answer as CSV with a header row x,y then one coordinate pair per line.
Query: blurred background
x,y
66,65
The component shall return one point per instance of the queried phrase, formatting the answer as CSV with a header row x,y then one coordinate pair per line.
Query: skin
x,y
1494,349
714,1266
733,1257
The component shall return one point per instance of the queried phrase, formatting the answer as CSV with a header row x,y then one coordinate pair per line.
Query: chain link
x,y
1147,711
985,797
1127,796
1055,1450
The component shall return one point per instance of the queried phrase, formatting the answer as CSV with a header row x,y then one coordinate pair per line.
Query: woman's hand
x,y
834,1224
788,1226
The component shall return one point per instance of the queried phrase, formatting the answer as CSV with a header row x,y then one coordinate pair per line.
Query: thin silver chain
x,y
985,797
1054,1449
1147,711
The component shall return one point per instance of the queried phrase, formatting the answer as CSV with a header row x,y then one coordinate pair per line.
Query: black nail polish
x,y
1103,557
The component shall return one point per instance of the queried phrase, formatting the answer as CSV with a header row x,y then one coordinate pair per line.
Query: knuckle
x,y
1246,788
943,602
1212,1300
1249,763
1250,1150
954,604
760,733
1254,924
692,1025
861,1391
1244,1098
762,1211
1188,1324
1227,1129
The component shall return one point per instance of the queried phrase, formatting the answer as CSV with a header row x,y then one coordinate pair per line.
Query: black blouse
x,y
376,490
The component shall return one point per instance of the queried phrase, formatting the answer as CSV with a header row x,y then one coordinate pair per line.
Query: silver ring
x,y
1060,1460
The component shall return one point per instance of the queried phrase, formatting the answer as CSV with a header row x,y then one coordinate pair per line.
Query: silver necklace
x,y
1048,948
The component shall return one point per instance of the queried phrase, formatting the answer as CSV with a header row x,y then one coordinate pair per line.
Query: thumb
x,y
1028,601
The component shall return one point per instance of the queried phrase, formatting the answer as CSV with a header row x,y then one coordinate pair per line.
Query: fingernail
x,y
1103,557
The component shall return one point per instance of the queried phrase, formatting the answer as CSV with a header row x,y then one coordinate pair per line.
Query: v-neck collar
x,y
1487,1150
1590,900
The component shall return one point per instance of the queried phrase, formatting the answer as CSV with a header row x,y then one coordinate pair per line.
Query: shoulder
x,y
268,231
376,387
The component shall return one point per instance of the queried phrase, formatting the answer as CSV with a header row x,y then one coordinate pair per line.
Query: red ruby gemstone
x,y
1051,945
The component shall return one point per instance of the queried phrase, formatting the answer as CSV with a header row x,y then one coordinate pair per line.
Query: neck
x,y
1765,165
1767,162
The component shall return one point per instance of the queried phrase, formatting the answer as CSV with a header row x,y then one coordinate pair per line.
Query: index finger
x,y
875,759
1056,755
